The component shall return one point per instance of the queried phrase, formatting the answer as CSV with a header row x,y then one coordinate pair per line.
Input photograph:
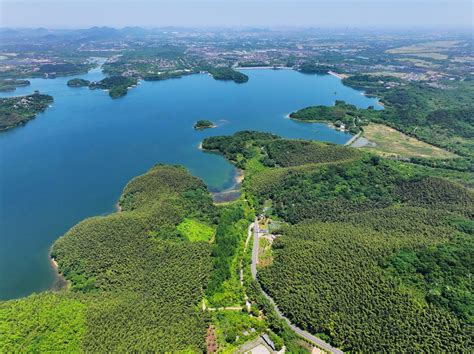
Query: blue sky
x,y
337,13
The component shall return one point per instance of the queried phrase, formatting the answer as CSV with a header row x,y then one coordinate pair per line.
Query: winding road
x,y
309,337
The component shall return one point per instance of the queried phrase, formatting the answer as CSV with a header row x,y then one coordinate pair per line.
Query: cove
x,y
73,160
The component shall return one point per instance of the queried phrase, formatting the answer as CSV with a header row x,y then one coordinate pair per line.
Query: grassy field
x,y
391,142
429,50
420,62
195,230
430,55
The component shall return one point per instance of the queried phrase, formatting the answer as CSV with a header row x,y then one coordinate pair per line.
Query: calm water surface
x,y
73,161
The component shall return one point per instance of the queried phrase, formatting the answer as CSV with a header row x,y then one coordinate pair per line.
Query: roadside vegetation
x,y
366,235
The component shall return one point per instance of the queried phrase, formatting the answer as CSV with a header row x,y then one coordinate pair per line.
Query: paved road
x,y
353,139
319,342
253,265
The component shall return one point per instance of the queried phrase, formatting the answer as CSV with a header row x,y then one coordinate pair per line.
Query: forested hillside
x,y
377,253
328,278
135,282
370,255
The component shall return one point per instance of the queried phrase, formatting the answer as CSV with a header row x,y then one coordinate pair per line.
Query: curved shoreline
x,y
60,282
232,180
263,67
329,124
231,193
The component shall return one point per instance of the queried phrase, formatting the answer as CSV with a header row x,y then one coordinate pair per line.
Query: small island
x,y
203,124
9,85
78,83
15,111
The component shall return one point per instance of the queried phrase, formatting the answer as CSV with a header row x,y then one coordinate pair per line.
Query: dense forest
x,y
382,239
19,110
371,255
135,284
328,279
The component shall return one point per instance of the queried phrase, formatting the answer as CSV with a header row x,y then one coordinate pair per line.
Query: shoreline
x,y
353,139
234,189
262,67
333,73
204,128
60,282
233,192
330,125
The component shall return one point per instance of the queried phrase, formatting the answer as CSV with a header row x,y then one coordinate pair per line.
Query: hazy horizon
x,y
73,14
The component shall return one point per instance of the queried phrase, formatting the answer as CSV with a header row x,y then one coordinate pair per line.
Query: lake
x,y
73,160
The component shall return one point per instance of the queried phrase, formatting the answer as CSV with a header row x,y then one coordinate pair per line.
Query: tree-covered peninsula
x,y
117,86
312,67
341,115
228,74
9,85
135,281
15,111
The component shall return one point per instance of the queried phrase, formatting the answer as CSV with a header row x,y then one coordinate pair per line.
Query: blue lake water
x,y
73,160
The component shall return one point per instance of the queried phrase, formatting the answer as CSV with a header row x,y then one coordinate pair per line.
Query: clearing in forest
x,y
391,142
